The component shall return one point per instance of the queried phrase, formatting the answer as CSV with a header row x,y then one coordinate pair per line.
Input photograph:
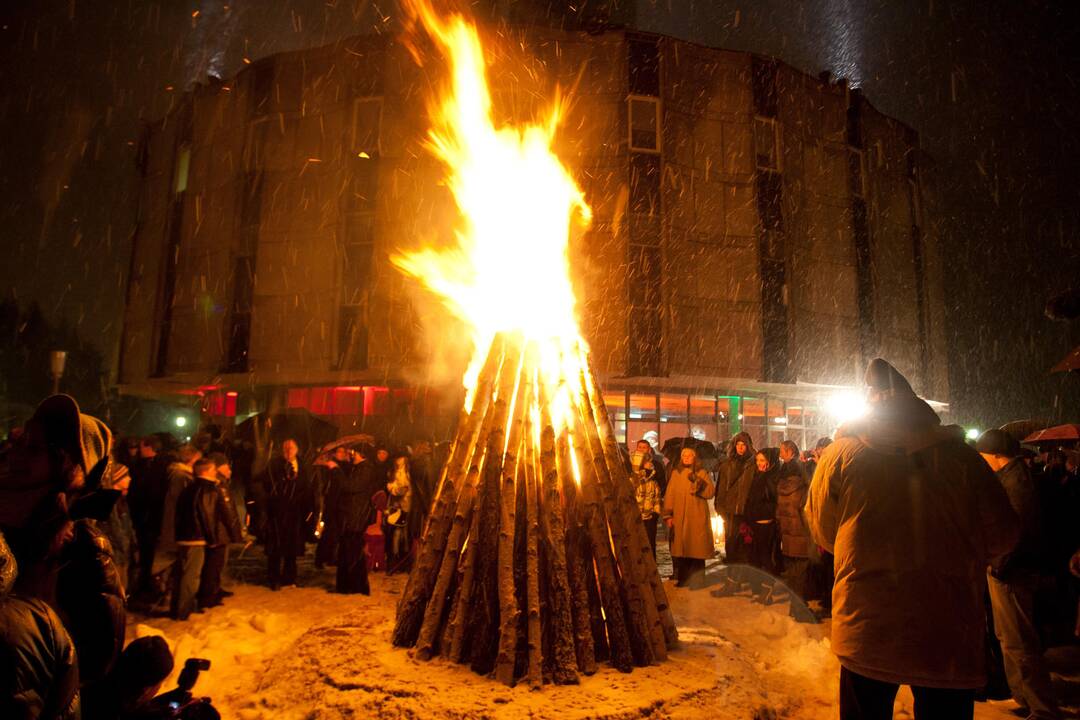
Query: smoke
x,y
205,48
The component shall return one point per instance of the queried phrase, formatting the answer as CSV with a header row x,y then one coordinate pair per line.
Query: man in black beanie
x,y
913,517
1013,579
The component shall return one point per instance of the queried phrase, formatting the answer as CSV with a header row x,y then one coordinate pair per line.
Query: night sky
x,y
990,85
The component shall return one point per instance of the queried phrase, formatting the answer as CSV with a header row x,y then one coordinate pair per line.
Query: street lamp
x,y
57,360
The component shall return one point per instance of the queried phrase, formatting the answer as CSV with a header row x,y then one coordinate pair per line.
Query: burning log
x,y
535,564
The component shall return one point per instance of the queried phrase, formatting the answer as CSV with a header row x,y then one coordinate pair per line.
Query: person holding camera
x,y
646,488
686,513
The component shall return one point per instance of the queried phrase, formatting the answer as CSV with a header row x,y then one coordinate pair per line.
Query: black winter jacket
x,y
761,500
203,515
290,506
39,673
91,600
355,511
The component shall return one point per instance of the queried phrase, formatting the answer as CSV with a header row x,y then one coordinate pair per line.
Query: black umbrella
x,y
673,446
307,430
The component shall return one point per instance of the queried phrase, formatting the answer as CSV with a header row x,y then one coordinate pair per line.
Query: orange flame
x,y
507,271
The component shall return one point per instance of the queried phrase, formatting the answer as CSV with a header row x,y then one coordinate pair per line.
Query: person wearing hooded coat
x,y
686,513
55,486
732,487
39,670
913,516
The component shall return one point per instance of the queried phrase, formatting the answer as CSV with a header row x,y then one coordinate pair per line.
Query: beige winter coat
x,y
692,535
913,516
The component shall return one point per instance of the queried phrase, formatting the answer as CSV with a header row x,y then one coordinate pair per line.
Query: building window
x,y
643,64
366,127
645,184
239,340
767,144
183,165
764,87
645,328
644,124
857,172
358,250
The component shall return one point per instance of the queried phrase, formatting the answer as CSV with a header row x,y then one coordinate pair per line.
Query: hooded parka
x,y
913,516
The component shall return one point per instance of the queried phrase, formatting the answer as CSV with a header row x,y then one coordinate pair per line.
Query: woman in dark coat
x,y
732,486
759,521
791,493
358,482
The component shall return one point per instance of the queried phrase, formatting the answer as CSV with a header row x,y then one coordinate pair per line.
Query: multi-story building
x,y
758,235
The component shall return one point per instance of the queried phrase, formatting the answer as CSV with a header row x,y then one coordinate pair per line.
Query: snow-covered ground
x,y
306,653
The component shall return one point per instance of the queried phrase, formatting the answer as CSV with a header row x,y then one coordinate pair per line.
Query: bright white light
x,y
846,406
779,421
181,421
972,434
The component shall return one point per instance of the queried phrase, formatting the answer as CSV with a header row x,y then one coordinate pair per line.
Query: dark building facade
x,y
758,235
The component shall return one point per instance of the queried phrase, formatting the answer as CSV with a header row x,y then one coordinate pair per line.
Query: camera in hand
x,y
180,702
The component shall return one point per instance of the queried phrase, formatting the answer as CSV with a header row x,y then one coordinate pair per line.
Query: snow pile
x,y
304,653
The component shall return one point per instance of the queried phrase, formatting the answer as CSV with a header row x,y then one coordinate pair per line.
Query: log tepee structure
x,y
534,562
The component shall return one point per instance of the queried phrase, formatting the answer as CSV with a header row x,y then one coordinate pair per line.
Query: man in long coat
x,y
289,505
913,516
355,511
686,513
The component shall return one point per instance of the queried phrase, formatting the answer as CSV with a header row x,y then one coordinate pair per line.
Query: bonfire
x,y
534,563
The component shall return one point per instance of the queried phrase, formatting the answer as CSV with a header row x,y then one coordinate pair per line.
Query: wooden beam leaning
x,y
584,645
512,473
483,528
624,490
466,510
646,631
535,671
596,525
552,524
421,583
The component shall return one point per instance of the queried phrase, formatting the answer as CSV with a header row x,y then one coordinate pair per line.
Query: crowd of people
x,y
938,558
929,552
90,529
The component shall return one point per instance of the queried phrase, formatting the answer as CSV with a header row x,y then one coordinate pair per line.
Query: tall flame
x,y
507,271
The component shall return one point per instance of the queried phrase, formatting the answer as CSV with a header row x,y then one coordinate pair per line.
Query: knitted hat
x,y
147,661
997,442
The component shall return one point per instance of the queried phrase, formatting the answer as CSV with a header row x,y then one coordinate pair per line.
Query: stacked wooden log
x,y
535,563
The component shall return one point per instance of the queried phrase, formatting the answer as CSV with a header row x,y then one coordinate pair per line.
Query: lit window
x,y
644,124
183,164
